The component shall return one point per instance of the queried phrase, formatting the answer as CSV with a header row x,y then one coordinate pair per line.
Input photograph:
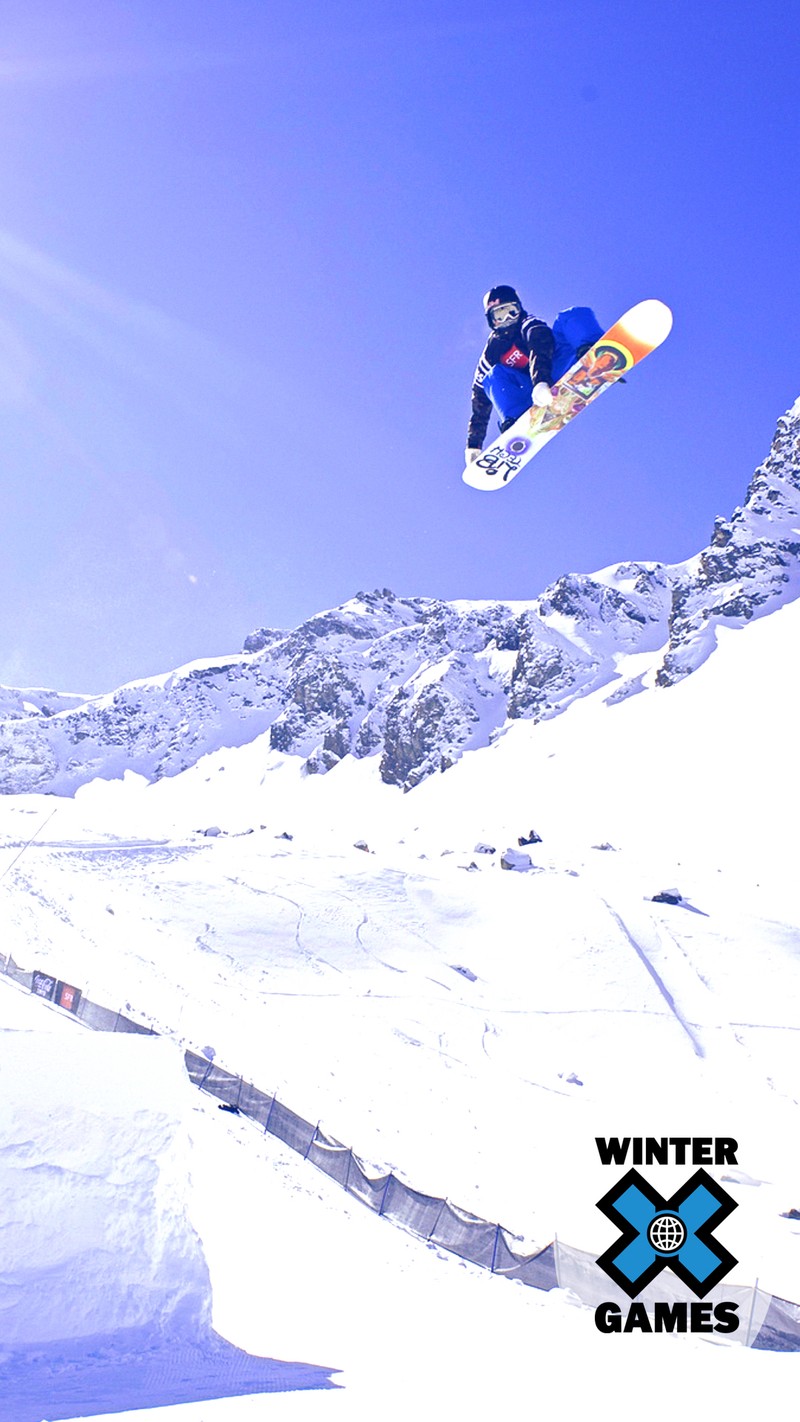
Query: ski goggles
x,y
504,315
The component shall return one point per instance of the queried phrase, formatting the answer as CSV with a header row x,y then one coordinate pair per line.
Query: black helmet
x,y
500,296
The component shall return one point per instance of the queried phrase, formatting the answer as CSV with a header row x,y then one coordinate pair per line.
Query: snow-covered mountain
x,y
416,682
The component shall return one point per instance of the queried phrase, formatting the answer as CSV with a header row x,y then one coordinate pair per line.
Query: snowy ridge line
x,y
429,1217
416,682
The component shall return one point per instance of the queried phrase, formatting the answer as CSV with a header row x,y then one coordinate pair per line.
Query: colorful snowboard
x,y
634,336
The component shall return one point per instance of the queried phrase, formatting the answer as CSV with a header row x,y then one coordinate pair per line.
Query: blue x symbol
x,y
658,1233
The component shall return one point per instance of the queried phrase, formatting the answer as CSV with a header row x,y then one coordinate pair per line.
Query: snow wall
x,y
94,1144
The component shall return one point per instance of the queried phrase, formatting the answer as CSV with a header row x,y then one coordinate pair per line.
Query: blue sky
x,y
243,247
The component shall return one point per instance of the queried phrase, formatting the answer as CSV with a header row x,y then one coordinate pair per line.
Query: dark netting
x,y
198,1067
371,1192
329,1155
222,1084
289,1128
100,1019
254,1103
466,1235
780,1331
124,1024
417,1212
538,1270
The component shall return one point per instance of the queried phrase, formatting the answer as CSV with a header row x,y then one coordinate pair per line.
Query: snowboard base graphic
x,y
627,342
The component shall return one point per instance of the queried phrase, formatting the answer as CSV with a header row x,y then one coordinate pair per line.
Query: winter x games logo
x,y
656,1234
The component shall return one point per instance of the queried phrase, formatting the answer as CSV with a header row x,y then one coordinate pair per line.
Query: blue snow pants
x,y
510,390
573,329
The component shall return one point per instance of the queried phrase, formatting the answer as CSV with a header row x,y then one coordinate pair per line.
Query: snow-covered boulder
x,y
515,859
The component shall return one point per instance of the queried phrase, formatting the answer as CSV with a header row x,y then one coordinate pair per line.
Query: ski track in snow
x,y
697,1046
315,961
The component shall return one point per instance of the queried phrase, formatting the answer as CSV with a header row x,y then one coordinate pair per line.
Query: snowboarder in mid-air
x,y
522,358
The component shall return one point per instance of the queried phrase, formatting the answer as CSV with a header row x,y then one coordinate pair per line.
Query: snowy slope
x,y
471,1028
105,1295
302,1272
332,975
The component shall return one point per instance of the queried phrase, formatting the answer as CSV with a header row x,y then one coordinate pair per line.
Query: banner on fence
x,y
43,985
67,997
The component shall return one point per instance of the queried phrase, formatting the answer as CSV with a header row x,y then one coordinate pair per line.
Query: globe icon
x,y
667,1233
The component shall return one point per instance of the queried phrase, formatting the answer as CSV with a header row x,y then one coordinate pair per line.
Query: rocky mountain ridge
x,y
418,681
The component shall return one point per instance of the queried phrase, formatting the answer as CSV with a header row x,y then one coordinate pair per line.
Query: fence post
x,y
752,1311
389,1180
19,856
269,1114
494,1248
30,841
435,1225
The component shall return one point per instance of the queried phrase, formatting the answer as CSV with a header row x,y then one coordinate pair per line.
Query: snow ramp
x,y
105,1297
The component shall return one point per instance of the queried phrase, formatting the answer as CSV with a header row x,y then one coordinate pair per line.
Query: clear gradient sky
x,y
243,245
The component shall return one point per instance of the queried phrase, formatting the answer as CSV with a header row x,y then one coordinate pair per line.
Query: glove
x,y
471,455
542,394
